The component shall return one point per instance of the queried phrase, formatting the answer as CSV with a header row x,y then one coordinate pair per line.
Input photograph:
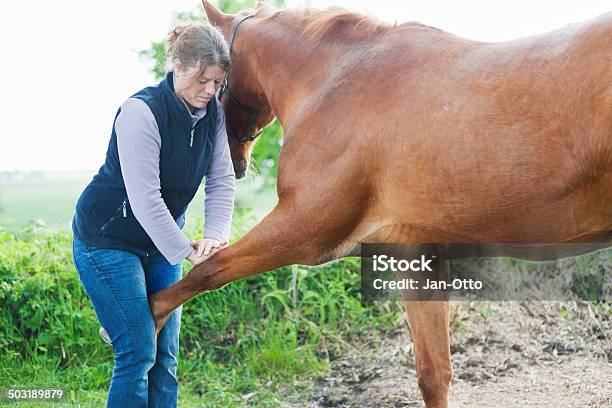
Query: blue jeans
x,y
118,284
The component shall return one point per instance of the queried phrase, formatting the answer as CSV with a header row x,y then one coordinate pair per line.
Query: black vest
x,y
103,215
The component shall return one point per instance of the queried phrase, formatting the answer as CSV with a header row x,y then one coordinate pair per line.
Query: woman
x,y
128,242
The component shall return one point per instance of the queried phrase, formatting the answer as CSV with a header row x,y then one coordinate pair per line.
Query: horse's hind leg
x,y
429,322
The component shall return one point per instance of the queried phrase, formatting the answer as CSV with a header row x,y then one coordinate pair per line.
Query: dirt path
x,y
505,354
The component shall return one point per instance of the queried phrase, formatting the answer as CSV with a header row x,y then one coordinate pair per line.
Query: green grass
x,y
251,343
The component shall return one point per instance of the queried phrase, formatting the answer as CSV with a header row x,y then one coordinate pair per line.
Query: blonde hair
x,y
197,44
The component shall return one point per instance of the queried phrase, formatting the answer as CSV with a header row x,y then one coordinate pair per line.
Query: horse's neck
x,y
289,69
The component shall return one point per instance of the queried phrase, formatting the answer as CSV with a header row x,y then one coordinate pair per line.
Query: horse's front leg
x,y
287,235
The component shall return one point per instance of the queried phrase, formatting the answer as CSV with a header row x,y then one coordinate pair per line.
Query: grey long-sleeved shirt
x,y
139,143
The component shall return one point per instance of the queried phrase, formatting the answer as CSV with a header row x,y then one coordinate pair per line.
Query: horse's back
x,y
509,141
468,141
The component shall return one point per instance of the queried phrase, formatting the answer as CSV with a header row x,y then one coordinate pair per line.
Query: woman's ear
x,y
178,67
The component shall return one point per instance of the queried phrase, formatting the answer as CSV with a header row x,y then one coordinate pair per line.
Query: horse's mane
x,y
336,23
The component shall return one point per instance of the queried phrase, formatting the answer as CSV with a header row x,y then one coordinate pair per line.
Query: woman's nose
x,y
210,88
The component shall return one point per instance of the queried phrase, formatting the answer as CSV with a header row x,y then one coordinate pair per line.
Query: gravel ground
x,y
505,354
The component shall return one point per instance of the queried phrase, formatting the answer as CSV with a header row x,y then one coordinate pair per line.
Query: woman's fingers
x,y
210,244
206,247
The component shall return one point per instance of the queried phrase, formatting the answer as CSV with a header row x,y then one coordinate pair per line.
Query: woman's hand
x,y
207,246
204,248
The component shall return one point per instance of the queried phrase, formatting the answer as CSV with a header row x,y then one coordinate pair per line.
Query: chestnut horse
x,y
410,134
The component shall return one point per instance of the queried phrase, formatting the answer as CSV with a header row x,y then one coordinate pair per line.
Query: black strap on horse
x,y
252,112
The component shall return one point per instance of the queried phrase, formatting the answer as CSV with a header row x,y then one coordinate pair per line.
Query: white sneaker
x,y
104,335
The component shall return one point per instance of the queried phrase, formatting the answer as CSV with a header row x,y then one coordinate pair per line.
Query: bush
x,y
268,329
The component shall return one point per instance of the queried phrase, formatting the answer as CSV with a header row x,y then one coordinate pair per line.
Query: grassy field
x,y
244,345
254,343
51,197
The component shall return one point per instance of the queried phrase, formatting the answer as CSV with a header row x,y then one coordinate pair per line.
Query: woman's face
x,y
195,86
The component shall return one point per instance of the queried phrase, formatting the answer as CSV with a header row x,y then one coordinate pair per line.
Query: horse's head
x,y
246,106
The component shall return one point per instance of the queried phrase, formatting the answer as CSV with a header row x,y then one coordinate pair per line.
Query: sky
x,y
69,64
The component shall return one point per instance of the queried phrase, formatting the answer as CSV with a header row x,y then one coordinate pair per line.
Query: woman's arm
x,y
220,186
139,143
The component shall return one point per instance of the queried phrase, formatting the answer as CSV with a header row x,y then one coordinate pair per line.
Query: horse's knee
x,y
434,383
204,278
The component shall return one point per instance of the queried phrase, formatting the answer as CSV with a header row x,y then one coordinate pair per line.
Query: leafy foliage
x,y
268,329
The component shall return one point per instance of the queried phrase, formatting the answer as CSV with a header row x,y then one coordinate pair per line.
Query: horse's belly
x,y
493,213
